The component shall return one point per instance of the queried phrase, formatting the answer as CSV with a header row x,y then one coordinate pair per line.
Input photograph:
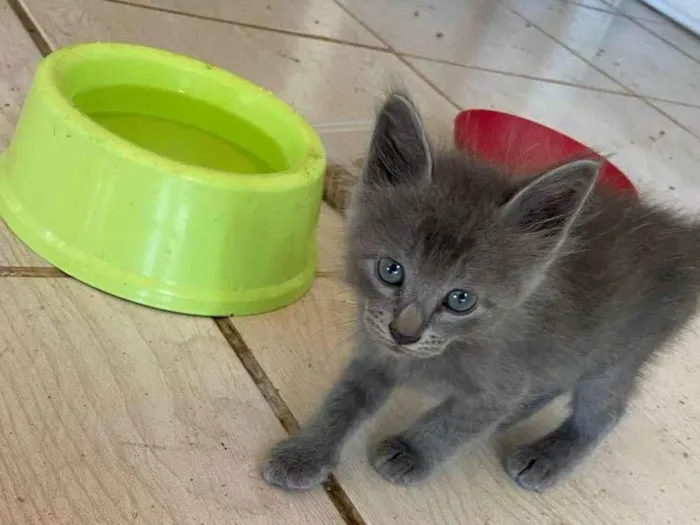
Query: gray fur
x,y
577,290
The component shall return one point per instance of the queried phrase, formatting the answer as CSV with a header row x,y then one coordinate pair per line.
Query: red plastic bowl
x,y
526,147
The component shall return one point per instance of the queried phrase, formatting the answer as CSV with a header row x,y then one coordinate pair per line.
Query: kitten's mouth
x,y
405,351
391,346
388,343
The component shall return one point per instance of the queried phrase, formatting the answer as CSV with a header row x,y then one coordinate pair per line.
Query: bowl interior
x,y
526,147
192,115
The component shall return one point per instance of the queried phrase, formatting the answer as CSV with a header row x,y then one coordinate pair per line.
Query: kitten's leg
x,y
527,409
305,459
411,456
598,404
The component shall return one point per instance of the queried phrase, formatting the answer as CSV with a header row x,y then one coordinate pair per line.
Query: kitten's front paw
x,y
541,465
398,461
295,464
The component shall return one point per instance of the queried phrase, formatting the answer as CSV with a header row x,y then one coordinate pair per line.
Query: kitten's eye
x,y
390,271
460,301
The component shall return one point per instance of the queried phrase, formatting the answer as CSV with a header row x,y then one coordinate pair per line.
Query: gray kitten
x,y
501,292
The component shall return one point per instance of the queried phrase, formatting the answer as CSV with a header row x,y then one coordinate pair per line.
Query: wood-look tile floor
x,y
114,413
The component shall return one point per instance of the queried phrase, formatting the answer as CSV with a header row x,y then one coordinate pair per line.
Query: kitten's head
x,y
441,247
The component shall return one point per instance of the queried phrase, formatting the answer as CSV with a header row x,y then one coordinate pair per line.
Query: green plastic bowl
x,y
165,181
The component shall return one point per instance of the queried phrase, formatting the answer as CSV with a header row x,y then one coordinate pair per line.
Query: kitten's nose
x,y
407,326
402,339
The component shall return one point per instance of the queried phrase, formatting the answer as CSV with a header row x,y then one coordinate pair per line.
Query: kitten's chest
x,y
439,377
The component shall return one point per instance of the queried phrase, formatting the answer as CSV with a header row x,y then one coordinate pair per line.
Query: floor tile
x,y
633,8
14,253
593,4
658,156
689,117
662,26
597,4
637,9
629,481
476,33
313,17
18,58
620,47
114,413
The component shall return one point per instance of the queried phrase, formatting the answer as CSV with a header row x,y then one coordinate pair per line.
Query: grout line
x,y
625,93
667,101
603,72
32,28
268,390
615,11
609,9
388,49
650,103
335,492
45,48
638,21
248,25
519,75
572,51
403,60
31,271
660,37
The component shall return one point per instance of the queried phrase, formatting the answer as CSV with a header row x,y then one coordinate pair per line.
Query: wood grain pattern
x,y
18,58
115,413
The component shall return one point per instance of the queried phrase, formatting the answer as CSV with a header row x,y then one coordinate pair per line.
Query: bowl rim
x,y
309,166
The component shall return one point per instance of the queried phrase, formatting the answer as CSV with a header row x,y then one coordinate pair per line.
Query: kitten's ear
x,y
400,151
551,202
